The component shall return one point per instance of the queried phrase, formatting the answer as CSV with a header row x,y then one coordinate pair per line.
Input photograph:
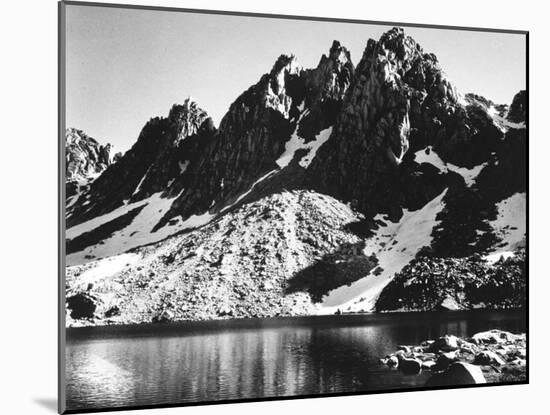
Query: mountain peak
x,y
339,53
187,118
332,77
85,157
288,63
402,45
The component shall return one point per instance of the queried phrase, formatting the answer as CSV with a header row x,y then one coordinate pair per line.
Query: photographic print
x,y
265,207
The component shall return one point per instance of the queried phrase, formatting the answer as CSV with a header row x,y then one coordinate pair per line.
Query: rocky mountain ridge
x,y
418,167
85,160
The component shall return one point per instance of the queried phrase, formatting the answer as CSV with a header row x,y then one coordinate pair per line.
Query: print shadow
x,y
49,403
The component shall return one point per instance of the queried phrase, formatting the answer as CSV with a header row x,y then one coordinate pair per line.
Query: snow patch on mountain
x,y
313,146
292,145
183,166
296,143
71,201
138,233
138,187
241,197
105,268
428,155
502,123
194,221
94,223
395,244
510,224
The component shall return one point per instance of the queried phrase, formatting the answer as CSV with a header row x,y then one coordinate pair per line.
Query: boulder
x,y
488,357
410,366
428,364
113,311
520,352
493,337
445,360
518,362
406,349
446,343
425,356
467,347
163,317
459,373
392,361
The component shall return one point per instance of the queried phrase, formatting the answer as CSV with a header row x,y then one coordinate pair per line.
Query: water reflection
x,y
223,363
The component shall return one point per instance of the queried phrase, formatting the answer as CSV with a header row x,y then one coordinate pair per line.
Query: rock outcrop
x,y
436,284
518,109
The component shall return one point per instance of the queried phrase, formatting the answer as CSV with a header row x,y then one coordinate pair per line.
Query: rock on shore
x,y
493,356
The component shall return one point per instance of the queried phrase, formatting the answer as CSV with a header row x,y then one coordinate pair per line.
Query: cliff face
x,y
333,178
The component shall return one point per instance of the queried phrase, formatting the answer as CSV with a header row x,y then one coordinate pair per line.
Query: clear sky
x,y
126,66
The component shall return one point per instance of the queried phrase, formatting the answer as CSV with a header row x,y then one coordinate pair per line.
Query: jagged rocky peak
x,y
156,164
275,91
85,157
338,53
518,109
332,77
399,102
254,132
283,66
397,84
285,70
186,118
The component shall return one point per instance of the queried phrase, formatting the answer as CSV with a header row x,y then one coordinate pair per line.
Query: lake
x,y
187,362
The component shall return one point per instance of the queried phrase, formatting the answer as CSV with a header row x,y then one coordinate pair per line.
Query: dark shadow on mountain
x,y
341,267
362,228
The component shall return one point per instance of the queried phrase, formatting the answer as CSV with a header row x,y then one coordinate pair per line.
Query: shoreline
x,y
350,319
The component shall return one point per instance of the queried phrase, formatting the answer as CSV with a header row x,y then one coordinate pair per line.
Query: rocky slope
x,y
374,166
272,257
